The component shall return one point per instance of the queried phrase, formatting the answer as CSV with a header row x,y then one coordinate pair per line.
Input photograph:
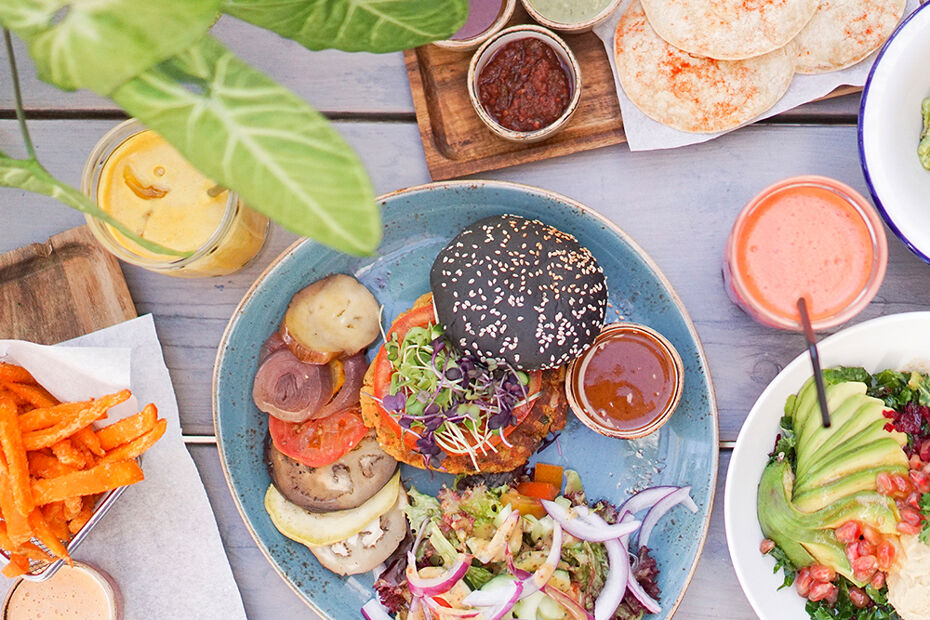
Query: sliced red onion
x,y
575,610
272,345
354,369
501,599
647,498
435,585
290,390
636,589
681,496
519,573
372,610
575,525
499,541
449,611
615,583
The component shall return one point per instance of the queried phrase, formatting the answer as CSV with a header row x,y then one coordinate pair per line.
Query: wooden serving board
x,y
64,288
455,141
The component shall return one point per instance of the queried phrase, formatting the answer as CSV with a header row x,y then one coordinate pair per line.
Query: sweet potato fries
x,y
54,465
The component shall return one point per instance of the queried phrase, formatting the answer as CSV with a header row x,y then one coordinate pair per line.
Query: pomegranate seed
x,y
852,551
878,580
915,461
885,555
859,598
884,484
920,479
823,574
848,532
902,484
909,515
907,528
924,451
766,546
871,534
866,548
820,591
803,582
913,500
834,594
864,567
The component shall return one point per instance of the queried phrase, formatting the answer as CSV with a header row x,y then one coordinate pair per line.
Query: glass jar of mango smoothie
x,y
136,176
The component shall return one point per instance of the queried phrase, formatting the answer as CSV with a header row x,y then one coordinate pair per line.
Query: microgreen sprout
x,y
453,402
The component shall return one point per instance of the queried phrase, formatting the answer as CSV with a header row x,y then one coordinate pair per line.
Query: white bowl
x,y
899,341
889,129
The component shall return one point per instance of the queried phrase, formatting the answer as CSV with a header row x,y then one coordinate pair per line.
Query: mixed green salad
x,y
504,546
834,501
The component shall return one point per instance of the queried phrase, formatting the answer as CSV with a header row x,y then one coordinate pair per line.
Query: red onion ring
x,y
646,498
348,395
372,610
290,390
502,600
575,524
436,585
574,608
680,496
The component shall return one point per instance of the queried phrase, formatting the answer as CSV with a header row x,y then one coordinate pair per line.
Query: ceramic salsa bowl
x,y
417,223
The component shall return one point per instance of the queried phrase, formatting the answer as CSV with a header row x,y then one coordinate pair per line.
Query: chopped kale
x,y
841,374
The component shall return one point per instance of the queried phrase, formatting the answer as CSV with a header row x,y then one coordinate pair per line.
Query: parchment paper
x,y
645,134
159,541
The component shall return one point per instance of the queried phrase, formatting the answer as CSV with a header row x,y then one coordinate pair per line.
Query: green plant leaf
x,y
99,44
256,137
355,25
28,174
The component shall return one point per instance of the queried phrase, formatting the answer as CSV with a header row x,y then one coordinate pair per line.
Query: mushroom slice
x,y
345,484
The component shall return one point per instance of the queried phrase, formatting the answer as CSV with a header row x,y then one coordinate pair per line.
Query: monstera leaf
x,y
99,44
355,25
250,134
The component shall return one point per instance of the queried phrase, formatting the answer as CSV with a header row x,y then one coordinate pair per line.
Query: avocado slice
x,y
822,496
846,448
885,451
864,426
808,414
846,419
806,538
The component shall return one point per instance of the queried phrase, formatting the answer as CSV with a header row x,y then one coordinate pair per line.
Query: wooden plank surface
x,y
61,289
337,83
679,205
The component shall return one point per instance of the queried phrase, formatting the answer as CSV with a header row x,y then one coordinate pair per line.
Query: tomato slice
x,y
539,490
551,474
317,443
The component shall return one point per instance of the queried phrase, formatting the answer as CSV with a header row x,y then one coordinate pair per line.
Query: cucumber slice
x,y
320,529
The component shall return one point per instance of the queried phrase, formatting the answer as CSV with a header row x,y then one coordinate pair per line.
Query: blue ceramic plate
x,y
417,223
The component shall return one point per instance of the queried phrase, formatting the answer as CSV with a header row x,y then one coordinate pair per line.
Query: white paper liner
x,y
160,540
645,134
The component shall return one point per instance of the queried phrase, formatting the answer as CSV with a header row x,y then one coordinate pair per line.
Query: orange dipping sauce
x,y
627,383
806,237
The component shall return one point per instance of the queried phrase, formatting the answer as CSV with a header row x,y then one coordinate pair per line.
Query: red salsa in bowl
x,y
524,83
525,86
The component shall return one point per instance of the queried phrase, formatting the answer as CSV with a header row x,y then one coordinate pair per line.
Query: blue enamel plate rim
x,y
860,131
475,184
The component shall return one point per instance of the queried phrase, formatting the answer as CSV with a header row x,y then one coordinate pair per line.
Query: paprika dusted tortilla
x,y
699,95
843,32
729,29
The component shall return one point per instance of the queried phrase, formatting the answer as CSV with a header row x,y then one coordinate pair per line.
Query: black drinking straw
x,y
815,361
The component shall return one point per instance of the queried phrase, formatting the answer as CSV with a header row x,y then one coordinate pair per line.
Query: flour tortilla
x,y
843,32
699,95
729,29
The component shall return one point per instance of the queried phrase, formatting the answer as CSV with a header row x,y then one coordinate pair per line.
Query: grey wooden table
x,y
679,205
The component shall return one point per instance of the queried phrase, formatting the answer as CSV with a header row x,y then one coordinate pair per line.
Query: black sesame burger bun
x,y
519,291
